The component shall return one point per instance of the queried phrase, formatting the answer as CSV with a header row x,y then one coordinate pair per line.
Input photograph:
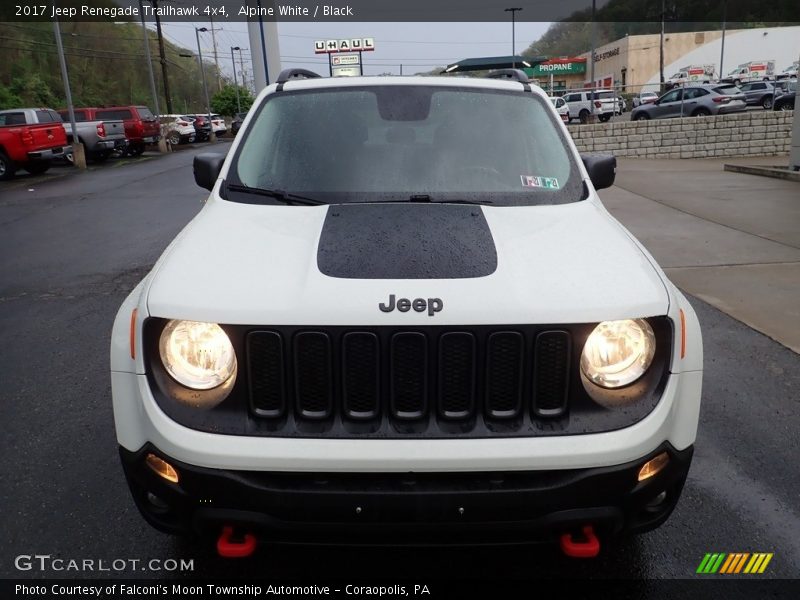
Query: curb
x,y
776,172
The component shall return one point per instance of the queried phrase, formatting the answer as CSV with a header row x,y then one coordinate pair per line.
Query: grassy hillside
x,y
106,64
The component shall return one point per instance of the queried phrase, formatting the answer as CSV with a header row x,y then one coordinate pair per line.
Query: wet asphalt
x,y
73,246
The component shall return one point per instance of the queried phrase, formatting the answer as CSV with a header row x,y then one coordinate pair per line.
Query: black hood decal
x,y
406,241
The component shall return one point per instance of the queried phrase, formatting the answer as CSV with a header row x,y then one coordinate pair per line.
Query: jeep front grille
x,y
437,381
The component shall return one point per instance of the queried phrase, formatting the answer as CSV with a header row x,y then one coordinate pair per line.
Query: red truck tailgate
x,y
23,139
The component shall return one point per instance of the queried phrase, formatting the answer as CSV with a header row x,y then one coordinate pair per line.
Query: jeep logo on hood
x,y
432,305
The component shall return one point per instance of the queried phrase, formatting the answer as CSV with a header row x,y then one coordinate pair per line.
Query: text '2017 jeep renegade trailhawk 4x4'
x,y
404,315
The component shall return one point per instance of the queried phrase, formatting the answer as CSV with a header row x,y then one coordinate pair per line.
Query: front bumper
x,y
414,508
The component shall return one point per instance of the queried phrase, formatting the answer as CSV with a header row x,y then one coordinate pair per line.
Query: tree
x,y
224,101
8,99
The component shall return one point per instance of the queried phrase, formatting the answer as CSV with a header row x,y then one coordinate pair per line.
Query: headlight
x,y
197,355
618,353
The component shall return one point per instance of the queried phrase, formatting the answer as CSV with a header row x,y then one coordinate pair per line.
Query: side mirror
x,y
602,169
207,167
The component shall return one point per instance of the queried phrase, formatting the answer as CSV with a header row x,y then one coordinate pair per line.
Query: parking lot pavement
x,y
79,245
728,238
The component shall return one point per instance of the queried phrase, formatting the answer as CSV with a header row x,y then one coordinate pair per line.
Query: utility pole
x,y
78,154
513,12
235,82
162,143
163,54
216,57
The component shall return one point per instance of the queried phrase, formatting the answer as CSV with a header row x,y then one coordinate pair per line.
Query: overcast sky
x,y
417,46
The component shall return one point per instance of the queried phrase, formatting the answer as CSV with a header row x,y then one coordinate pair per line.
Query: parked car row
x,y
188,128
31,138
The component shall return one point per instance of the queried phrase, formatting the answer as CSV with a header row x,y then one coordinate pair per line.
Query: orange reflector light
x,y
683,334
162,468
653,466
133,333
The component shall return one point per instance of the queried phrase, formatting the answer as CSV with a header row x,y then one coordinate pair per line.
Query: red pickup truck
x,y
29,147
141,125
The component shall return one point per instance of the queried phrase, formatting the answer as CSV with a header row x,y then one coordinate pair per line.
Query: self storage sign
x,y
349,45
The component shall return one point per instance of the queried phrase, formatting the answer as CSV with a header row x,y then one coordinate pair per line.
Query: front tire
x,y
766,102
174,138
605,118
642,116
7,168
583,116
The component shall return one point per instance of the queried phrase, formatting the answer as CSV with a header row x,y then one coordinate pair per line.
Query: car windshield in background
x,y
145,114
407,143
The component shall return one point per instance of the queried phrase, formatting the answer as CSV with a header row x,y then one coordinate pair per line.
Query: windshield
x,y
392,143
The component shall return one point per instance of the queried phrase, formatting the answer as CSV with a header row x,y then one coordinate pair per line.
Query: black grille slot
x,y
360,382
312,375
266,367
504,354
456,375
409,375
551,373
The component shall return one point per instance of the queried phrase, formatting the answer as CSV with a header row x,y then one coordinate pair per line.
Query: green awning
x,y
493,62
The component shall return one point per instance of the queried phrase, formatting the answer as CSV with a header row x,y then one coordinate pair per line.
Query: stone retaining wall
x,y
751,133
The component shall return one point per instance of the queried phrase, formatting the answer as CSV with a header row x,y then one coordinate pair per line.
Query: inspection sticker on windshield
x,y
539,182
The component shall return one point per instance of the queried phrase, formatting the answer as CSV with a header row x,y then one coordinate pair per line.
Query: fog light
x,y
156,502
657,501
166,470
653,466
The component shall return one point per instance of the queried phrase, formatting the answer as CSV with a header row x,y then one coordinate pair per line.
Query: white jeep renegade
x,y
404,315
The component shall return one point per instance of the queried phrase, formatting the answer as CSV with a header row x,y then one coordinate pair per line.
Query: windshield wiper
x,y
281,195
428,198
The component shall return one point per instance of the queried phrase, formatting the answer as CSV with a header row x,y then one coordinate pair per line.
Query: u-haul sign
x,y
349,45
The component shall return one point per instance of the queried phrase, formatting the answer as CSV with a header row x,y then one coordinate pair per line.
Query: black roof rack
x,y
288,74
515,74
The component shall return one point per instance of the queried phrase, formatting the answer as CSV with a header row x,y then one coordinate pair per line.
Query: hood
x,y
288,265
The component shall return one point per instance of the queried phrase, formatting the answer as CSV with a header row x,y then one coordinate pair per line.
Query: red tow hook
x,y
231,546
589,547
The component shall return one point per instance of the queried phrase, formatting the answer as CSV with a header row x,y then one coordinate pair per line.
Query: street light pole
x,y
235,82
661,48
722,50
513,12
78,155
211,138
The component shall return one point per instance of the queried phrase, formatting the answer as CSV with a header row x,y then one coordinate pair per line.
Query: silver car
x,y
693,101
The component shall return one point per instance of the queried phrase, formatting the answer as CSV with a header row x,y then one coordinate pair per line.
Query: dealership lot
x,y
78,242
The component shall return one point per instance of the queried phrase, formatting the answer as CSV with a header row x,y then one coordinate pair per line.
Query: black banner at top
x,y
684,11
